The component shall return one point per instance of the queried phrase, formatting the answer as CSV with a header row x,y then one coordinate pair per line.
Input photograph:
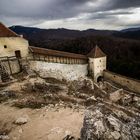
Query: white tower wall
x,y
96,67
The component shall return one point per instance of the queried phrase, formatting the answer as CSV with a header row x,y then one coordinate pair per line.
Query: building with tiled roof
x,y
46,52
12,44
97,63
6,32
96,52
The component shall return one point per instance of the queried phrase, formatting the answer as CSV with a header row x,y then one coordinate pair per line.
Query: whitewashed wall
x,y
59,71
13,44
97,66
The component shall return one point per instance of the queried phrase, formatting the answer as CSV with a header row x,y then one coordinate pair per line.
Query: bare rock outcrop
x,y
116,96
101,123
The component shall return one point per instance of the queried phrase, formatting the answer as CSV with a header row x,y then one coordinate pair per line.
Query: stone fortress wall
x,y
57,64
126,82
58,70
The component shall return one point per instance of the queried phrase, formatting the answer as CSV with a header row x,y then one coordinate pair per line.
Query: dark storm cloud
x,y
55,9
119,4
41,8
108,14
31,12
108,5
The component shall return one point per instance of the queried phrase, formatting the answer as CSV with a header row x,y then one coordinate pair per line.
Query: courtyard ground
x,y
34,108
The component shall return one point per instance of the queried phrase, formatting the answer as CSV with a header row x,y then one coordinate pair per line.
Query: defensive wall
x,y
59,71
129,83
58,64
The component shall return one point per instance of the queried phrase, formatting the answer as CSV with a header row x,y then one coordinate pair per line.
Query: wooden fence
x,y
11,64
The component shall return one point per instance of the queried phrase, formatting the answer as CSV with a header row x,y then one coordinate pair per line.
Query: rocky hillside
x,y
49,108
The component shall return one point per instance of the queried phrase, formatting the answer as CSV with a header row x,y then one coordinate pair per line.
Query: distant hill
x,y
32,33
130,33
131,29
60,33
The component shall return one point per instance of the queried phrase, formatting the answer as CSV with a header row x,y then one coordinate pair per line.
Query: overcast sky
x,y
72,14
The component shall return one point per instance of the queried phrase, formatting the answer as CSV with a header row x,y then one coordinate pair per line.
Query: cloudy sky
x,y
72,14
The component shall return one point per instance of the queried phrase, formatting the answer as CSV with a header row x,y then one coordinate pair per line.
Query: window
x,y
5,46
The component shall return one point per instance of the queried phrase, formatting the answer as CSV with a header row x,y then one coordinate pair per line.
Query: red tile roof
x,y
44,51
6,32
96,52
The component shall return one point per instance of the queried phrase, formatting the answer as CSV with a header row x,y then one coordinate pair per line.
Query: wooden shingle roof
x,y
96,52
6,32
50,52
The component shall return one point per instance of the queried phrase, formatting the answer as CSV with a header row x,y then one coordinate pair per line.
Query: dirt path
x,y
43,124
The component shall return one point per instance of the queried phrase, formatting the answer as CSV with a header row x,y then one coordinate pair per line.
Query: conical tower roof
x,y
96,52
6,32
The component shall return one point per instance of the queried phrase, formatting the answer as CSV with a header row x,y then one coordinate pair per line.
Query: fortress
x,y
39,59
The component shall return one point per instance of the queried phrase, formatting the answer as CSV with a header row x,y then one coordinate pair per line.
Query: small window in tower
x,y
5,46
100,60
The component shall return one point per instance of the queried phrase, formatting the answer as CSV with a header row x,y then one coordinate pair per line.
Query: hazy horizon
x,y
73,29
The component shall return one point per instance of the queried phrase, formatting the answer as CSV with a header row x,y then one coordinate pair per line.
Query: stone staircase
x,y
5,77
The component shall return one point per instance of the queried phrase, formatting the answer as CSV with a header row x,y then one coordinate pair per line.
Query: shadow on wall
x,y
126,82
99,79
